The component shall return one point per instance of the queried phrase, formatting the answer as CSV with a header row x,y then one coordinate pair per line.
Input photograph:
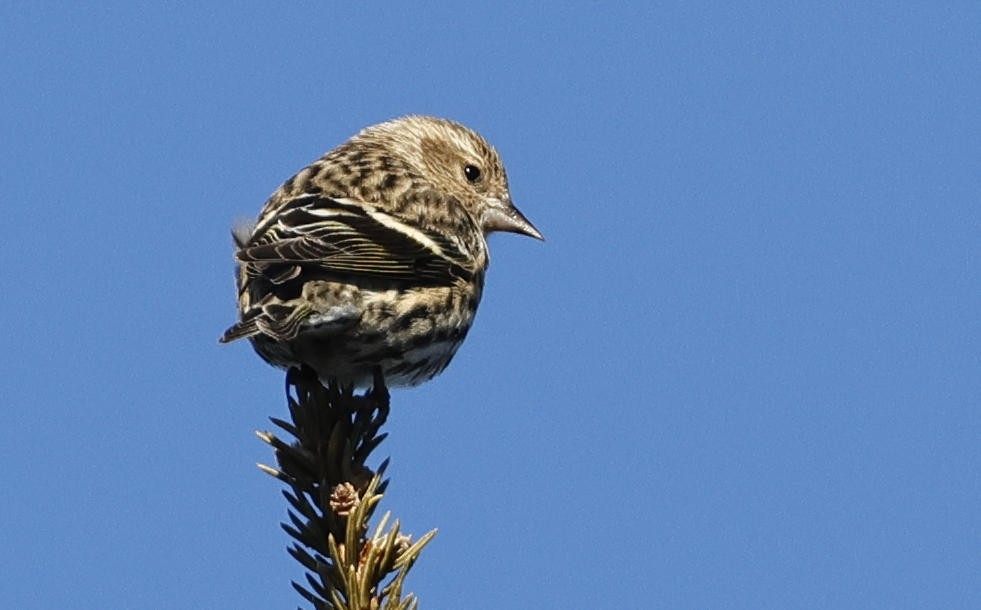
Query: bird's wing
x,y
339,235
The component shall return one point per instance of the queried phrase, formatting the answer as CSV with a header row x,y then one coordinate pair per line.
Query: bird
x,y
368,265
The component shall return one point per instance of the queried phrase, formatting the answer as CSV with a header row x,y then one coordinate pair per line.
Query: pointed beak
x,y
508,218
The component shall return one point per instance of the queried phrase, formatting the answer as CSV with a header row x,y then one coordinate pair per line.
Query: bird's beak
x,y
508,218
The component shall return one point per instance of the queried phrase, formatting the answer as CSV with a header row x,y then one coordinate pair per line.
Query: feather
x,y
349,237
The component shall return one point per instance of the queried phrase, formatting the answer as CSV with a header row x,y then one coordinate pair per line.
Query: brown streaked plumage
x,y
373,257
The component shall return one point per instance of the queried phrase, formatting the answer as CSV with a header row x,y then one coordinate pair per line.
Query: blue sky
x,y
742,372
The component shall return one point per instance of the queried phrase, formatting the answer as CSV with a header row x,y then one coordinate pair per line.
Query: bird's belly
x,y
411,334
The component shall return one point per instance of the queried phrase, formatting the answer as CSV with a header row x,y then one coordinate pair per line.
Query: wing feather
x,y
345,236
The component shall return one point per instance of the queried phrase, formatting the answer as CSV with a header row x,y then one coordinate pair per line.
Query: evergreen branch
x,y
332,495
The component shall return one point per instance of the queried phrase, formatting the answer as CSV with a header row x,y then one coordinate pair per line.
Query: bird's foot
x,y
378,391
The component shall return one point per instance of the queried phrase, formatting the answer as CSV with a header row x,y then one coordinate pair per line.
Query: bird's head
x,y
458,162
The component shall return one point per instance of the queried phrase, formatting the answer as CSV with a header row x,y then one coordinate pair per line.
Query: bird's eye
x,y
472,172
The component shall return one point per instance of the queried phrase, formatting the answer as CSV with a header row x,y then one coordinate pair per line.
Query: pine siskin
x,y
372,258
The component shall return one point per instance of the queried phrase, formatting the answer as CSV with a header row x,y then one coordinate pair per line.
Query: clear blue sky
x,y
743,371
